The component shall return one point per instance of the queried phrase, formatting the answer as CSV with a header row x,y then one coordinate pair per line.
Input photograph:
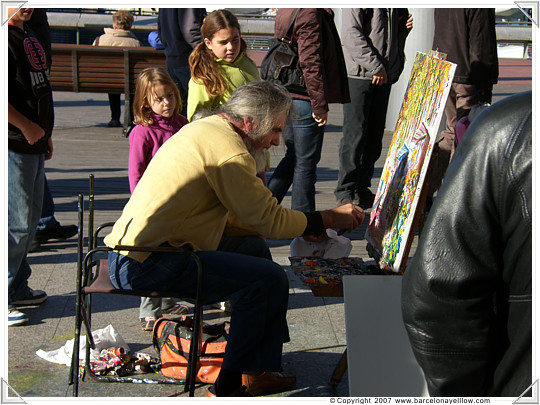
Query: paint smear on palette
x,y
406,163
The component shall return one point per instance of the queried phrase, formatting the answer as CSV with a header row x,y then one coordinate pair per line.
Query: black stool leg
x,y
195,345
74,369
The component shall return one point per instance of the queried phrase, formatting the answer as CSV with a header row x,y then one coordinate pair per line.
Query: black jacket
x,y
29,89
180,32
466,297
467,36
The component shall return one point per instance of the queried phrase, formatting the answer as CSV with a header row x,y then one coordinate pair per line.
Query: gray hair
x,y
261,101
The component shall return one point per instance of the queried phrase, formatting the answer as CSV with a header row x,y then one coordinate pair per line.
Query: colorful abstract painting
x,y
406,164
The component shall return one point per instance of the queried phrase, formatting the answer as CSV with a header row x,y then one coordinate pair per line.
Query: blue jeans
x,y
25,197
181,76
47,219
257,288
298,167
363,129
249,245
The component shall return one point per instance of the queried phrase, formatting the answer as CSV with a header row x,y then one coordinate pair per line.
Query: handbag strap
x,y
289,30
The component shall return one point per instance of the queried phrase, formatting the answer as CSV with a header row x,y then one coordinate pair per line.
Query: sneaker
x,y
56,232
147,324
176,309
16,317
31,297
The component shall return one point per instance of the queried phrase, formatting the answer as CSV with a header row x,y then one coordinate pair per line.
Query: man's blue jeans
x,y
47,219
298,167
181,76
257,288
363,129
25,197
249,245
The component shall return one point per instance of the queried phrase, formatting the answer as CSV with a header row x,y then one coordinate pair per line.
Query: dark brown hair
x,y
204,69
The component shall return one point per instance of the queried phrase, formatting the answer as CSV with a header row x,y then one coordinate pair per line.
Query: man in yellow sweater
x,y
196,178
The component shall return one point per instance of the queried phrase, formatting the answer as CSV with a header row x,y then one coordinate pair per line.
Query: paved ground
x,y
84,145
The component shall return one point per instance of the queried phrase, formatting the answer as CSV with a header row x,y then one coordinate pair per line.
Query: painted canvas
x,y
408,157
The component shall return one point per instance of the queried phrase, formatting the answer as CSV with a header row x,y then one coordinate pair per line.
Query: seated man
x,y
199,176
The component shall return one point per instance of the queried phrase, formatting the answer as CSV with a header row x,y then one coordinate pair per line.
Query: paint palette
x,y
325,276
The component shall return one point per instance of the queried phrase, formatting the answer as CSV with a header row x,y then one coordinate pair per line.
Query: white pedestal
x,y
380,359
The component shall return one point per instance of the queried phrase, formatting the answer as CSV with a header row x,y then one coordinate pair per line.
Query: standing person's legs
x,y
47,211
114,104
25,198
466,97
308,140
151,309
374,131
460,100
181,76
352,142
282,178
149,312
48,227
131,116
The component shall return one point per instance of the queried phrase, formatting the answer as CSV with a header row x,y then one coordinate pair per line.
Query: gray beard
x,y
260,159
257,154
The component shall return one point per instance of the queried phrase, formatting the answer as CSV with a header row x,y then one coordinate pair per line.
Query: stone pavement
x,y
83,145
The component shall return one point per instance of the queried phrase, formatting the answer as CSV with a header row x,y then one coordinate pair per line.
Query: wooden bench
x,y
106,69
101,69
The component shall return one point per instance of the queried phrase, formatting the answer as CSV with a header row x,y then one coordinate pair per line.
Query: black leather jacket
x,y
466,297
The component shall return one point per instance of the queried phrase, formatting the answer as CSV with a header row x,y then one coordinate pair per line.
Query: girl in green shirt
x,y
219,64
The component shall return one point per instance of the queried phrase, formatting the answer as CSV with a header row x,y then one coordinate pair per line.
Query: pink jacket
x,y
144,142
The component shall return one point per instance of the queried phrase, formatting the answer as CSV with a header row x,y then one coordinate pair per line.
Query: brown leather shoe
x,y
268,383
239,392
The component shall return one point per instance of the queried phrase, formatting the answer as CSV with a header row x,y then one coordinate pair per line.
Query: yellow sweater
x,y
196,178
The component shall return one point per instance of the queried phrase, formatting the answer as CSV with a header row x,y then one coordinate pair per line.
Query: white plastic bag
x,y
333,247
103,338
